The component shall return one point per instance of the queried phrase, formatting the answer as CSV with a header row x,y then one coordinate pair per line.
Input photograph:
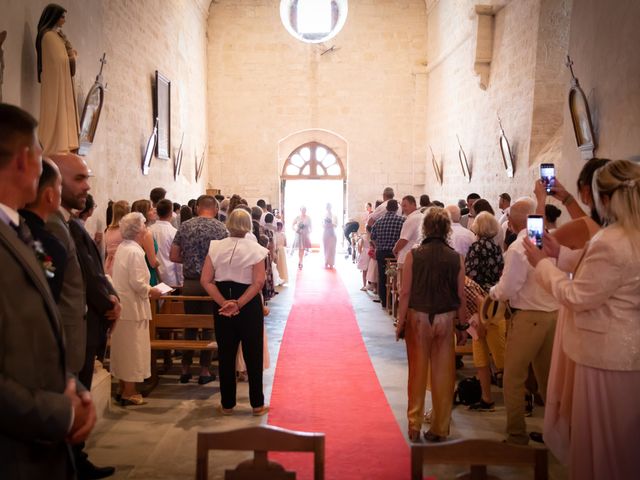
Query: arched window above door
x,y
313,160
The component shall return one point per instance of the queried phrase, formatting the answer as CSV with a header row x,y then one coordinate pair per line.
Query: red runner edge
x,y
325,382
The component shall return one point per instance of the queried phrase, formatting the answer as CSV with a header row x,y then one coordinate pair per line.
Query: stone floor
x,y
158,440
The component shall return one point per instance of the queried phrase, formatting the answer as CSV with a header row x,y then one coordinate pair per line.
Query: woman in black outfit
x,y
233,275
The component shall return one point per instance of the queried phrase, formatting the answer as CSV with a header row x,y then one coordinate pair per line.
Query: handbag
x,y
475,296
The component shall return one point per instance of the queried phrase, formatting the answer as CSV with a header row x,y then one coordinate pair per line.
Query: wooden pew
x,y
168,313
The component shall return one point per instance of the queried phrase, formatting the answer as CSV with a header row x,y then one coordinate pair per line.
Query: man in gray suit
x,y
42,410
72,302
80,303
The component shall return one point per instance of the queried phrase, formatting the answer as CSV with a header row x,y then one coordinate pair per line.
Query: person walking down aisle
x,y
432,297
329,238
601,323
233,275
302,241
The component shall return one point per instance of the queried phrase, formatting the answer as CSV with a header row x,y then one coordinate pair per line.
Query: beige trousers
x,y
429,347
529,341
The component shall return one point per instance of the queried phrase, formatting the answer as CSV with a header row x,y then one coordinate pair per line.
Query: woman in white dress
x,y
329,238
281,254
302,241
130,344
233,275
363,257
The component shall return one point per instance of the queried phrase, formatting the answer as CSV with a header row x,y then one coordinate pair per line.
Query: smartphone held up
x,y
535,229
548,175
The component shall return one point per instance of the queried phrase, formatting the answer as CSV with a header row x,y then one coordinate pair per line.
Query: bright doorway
x,y
314,195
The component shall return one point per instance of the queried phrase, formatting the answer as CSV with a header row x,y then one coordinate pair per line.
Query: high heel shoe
x,y
132,400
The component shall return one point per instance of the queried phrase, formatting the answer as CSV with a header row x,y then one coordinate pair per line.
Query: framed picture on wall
x,y
162,111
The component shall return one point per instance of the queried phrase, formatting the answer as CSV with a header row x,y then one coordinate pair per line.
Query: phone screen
x,y
548,175
535,229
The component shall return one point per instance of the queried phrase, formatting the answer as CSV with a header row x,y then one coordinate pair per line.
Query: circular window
x,y
313,21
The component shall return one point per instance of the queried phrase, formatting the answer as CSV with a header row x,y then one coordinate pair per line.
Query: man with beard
x,y
79,286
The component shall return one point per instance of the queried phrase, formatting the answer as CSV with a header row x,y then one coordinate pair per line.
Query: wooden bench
x,y
478,454
168,313
260,439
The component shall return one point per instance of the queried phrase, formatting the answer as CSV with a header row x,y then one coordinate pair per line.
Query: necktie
x,y
23,232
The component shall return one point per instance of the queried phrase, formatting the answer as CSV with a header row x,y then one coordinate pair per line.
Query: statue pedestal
x,y
101,389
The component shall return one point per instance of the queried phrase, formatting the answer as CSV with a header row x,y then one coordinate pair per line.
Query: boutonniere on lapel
x,y
46,262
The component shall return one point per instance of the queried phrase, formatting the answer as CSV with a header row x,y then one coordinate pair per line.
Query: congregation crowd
x,y
66,292
557,323
564,315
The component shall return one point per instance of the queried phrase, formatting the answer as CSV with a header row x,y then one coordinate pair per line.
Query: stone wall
x,y
400,79
264,86
529,41
138,37
603,47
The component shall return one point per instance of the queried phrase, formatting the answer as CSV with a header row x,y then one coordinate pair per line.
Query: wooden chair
x,y
478,454
168,313
260,439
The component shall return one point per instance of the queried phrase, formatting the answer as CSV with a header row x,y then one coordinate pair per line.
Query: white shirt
x,y
411,231
505,216
518,284
461,239
12,215
233,259
170,273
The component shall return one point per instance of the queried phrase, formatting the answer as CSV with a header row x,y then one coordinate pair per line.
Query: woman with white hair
x,y
601,328
233,275
130,344
483,265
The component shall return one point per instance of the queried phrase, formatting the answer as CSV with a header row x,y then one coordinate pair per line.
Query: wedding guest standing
x,y
42,409
329,224
112,237
130,343
431,300
281,254
601,329
233,275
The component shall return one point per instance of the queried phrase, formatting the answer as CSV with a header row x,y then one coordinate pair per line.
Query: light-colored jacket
x,y
131,281
602,327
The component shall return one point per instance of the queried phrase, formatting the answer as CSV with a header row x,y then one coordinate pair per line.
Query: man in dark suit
x,y
36,213
103,306
99,299
42,410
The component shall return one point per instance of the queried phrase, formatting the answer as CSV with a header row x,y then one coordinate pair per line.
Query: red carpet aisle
x,y
325,382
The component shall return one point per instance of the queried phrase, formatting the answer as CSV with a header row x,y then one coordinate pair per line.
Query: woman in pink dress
x,y
601,329
112,237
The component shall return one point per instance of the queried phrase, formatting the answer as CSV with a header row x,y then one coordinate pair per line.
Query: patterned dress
x,y
484,263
